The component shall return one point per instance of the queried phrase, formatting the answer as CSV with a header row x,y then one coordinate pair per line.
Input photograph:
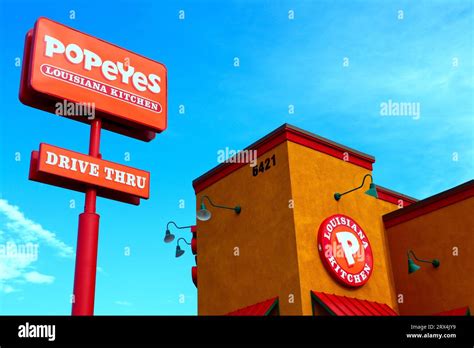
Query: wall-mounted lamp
x,y
203,214
372,191
169,237
413,267
180,251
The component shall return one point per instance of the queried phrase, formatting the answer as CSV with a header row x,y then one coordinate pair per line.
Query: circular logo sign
x,y
345,250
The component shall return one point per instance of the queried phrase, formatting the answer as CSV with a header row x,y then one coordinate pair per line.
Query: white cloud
x,y
20,239
32,231
6,288
38,278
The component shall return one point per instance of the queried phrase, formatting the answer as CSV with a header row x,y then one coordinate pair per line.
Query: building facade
x,y
296,249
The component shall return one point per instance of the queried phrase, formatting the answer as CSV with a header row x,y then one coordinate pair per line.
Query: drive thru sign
x,y
76,171
129,93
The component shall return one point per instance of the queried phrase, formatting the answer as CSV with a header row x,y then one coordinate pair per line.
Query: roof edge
x,y
286,132
394,197
430,204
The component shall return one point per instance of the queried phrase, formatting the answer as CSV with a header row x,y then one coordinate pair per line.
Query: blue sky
x,y
282,62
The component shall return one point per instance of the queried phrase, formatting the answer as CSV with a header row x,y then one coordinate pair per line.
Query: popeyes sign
x,y
129,90
127,94
345,250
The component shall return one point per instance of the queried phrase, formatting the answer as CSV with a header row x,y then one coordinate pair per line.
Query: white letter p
x,y
349,244
53,46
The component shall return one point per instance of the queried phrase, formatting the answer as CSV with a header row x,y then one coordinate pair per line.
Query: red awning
x,y
343,305
463,311
258,309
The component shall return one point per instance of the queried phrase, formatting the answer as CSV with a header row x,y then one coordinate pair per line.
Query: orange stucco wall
x,y
276,234
435,235
264,235
315,177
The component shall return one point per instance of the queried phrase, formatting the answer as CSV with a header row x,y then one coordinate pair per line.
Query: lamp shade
x,y
203,214
412,266
179,251
372,191
169,237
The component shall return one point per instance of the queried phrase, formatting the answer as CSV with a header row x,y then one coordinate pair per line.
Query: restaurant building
x,y
308,232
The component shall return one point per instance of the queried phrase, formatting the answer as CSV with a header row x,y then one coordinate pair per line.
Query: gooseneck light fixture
x,y
180,251
413,267
169,237
203,214
372,191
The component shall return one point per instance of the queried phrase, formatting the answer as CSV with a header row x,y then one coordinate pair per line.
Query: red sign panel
x,y
77,171
128,90
345,250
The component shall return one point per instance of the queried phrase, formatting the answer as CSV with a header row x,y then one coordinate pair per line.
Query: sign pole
x,y
87,240
132,103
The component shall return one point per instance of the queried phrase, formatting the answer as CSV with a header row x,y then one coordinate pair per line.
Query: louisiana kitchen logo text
x,y
345,250
127,88
97,86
